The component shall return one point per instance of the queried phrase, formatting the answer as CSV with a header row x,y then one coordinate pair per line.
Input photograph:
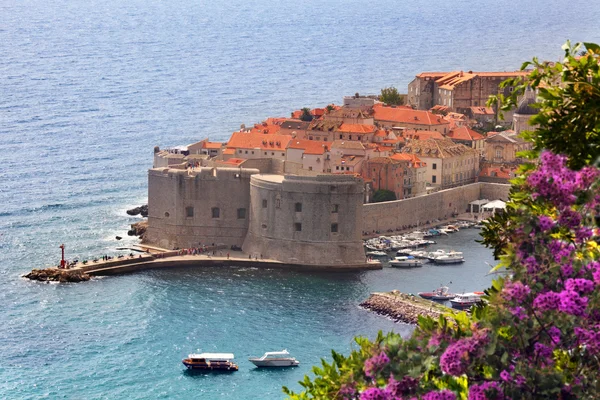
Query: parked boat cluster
x,y
408,249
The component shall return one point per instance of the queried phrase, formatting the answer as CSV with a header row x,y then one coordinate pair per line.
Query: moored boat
x,y
448,259
275,359
405,262
466,300
440,294
211,362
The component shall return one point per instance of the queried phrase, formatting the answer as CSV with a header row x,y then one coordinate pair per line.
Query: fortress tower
x,y
306,220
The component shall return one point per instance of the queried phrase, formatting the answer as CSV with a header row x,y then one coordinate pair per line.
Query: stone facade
x,y
306,220
207,205
380,217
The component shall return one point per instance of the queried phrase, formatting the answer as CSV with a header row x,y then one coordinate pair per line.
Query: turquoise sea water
x,y
87,89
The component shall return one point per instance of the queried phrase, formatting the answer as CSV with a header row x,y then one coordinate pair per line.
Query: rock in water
x,y
138,229
57,275
143,210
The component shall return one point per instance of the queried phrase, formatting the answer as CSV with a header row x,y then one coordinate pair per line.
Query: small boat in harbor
x,y
275,359
210,362
440,294
466,300
376,253
448,259
405,262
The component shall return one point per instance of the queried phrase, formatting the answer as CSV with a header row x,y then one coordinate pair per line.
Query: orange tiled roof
x,y
496,172
452,79
413,160
431,74
235,161
437,148
296,114
421,135
317,112
482,110
228,152
407,115
464,133
265,129
385,160
309,146
244,140
356,128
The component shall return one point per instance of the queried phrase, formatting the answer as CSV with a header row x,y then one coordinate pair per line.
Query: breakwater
x,y
402,307
78,271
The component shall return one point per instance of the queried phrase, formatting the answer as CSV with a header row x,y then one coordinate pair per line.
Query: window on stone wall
x,y
335,208
334,228
433,179
298,227
189,212
278,203
434,166
216,211
298,207
241,212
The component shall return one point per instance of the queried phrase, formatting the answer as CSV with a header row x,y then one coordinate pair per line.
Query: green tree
x,y
383,195
306,115
537,337
391,96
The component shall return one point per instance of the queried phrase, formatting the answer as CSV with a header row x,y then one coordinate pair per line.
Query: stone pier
x,y
402,307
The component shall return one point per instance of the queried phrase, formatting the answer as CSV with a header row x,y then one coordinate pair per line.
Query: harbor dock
x,y
155,258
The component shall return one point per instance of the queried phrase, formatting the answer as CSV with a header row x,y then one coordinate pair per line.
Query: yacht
x,y
275,359
466,300
211,362
405,262
448,259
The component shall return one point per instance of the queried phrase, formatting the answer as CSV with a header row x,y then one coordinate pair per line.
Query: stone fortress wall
x,y
306,220
418,210
204,206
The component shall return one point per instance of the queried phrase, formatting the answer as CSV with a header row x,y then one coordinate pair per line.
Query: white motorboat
x,y
405,262
437,253
466,300
448,259
275,359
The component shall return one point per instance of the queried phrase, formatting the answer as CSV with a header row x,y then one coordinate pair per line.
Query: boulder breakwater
x,y
403,307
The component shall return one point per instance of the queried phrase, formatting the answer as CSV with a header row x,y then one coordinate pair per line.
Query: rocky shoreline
x,y
402,307
57,275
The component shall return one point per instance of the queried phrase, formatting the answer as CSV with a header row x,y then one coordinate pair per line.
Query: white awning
x,y
496,204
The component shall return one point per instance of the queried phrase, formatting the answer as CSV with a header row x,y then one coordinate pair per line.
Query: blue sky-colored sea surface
x,y
88,88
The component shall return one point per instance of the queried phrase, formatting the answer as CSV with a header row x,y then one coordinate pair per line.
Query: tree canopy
x,y
306,115
391,96
538,333
383,195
